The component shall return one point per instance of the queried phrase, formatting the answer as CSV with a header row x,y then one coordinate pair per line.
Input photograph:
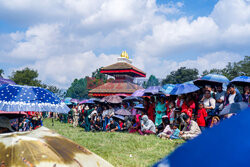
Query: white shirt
x,y
209,102
231,98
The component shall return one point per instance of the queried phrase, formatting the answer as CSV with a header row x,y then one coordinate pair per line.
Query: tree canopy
x,y
26,76
152,81
181,75
233,70
78,89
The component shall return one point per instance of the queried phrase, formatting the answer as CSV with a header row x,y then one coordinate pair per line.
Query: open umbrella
x,y
30,98
75,101
123,112
166,89
132,98
234,108
152,90
95,99
184,89
67,101
112,99
212,79
6,81
138,93
121,95
43,147
224,145
119,117
139,106
241,81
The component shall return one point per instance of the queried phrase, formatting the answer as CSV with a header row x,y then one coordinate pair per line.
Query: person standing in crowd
x,y
87,112
191,130
245,95
234,96
160,111
219,97
147,126
151,109
105,119
209,102
201,116
171,111
188,106
75,116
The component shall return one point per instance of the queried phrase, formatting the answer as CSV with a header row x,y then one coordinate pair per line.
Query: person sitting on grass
x,y
176,132
201,116
113,126
162,126
97,126
126,125
167,132
191,130
135,126
147,126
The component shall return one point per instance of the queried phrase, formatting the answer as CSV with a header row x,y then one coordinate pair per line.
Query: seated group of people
x,y
174,117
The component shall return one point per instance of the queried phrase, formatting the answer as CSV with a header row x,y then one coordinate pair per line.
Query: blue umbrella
x,y
241,80
234,108
139,106
184,89
167,88
6,81
224,145
29,98
211,79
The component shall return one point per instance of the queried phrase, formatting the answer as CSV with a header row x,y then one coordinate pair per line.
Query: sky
x,y
68,39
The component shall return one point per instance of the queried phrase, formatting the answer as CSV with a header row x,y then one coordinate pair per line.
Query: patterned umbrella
x,y
184,89
45,148
138,93
123,112
6,81
241,81
132,98
112,99
29,98
211,79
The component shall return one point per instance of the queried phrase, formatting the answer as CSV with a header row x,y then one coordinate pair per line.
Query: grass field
x,y
120,149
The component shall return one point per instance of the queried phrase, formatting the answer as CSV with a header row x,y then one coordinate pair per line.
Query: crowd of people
x,y
170,117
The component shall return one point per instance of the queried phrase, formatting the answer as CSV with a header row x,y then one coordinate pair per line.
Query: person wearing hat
x,y
233,96
5,126
191,130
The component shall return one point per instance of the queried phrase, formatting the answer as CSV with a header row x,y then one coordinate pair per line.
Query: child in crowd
x,y
176,132
201,116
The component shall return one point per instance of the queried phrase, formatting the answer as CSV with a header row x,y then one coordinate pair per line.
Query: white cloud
x,y
66,39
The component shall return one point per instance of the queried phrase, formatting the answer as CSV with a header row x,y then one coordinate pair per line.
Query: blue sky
x,y
66,39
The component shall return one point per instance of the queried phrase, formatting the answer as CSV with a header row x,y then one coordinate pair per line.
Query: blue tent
x,y
227,144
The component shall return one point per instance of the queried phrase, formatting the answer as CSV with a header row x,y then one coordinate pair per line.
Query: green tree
x,y
1,73
26,77
181,75
99,76
233,70
152,81
78,89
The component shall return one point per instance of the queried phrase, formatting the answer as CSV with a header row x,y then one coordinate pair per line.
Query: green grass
x,y
117,147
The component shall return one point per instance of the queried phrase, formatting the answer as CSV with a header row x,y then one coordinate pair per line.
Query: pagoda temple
x,y
124,73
